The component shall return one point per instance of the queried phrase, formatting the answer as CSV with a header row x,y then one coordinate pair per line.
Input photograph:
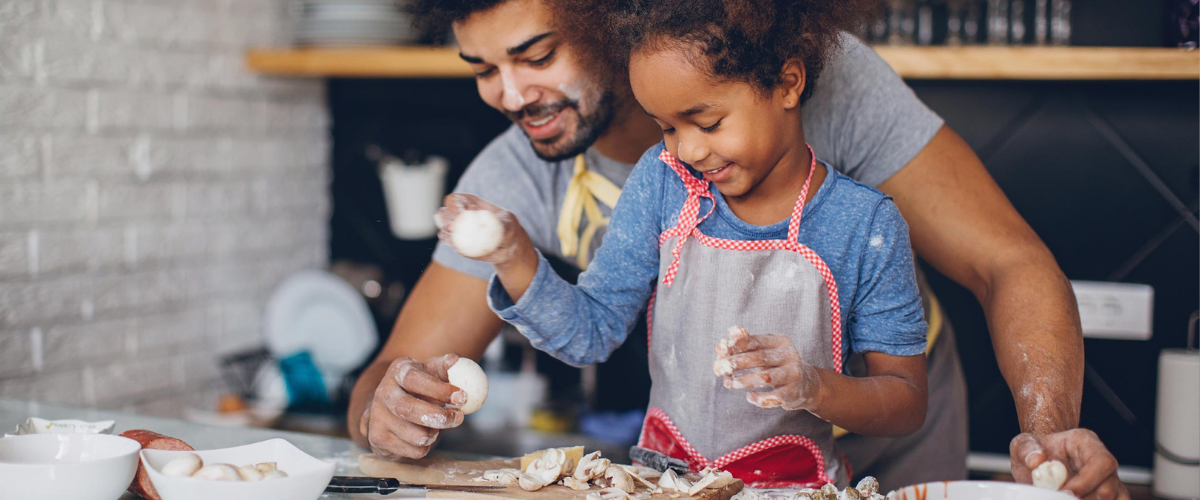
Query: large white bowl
x,y
307,476
978,490
75,466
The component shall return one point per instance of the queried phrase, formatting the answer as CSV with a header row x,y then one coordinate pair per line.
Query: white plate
x,y
307,476
318,312
978,490
75,466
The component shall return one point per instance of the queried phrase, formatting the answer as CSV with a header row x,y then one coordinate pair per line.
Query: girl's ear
x,y
791,84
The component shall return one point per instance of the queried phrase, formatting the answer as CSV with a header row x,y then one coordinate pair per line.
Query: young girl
x,y
733,222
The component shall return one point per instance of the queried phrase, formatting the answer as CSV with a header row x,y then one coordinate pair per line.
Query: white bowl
x,y
307,476
76,466
978,490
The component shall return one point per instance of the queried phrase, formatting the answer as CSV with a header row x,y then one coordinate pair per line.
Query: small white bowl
x,y
76,466
307,476
978,490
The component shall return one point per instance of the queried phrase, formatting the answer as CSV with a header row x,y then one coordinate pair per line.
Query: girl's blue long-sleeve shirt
x,y
856,230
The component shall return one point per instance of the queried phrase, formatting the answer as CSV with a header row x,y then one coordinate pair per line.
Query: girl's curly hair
x,y
739,40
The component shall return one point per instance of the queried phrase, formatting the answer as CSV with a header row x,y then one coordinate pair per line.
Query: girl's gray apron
x,y
706,286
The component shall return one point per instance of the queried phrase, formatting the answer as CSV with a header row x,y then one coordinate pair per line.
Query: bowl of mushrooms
x,y
977,490
268,470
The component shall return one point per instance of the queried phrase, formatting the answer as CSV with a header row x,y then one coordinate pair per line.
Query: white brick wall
x,y
152,194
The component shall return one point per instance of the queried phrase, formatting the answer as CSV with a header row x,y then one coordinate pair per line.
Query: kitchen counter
x,y
341,451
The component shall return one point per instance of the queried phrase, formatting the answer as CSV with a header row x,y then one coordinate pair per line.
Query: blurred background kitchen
x,y
212,209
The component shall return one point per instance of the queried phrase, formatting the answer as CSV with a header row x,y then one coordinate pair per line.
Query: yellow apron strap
x,y
931,336
572,210
585,189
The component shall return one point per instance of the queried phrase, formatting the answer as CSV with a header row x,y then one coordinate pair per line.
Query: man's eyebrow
x,y
523,46
470,59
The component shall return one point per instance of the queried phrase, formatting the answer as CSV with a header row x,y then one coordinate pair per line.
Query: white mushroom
x,y
636,475
531,482
476,233
468,376
614,493
548,468
275,474
183,465
590,467
250,473
218,472
682,485
506,477
620,479
868,487
1050,475
668,480
645,473
575,484
829,491
704,482
266,467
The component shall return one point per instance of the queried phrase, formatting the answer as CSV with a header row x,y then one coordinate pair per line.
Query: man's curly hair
x,y
738,40
434,17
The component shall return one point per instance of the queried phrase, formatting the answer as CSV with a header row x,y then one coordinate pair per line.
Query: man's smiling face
x,y
527,71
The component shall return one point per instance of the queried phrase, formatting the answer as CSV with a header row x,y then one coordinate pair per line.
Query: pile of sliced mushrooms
x,y
615,481
867,489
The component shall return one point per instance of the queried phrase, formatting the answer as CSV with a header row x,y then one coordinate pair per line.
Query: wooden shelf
x,y
1042,63
925,63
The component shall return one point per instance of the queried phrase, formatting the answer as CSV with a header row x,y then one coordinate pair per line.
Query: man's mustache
x,y
537,110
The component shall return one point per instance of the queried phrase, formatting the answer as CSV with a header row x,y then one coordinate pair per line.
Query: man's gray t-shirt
x,y
862,119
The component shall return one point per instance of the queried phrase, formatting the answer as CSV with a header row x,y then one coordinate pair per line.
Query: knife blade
x,y
388,485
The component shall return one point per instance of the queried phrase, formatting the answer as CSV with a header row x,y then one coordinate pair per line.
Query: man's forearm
x,y
1034,321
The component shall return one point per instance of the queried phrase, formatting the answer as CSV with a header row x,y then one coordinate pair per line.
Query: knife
x,y
388,485
657,461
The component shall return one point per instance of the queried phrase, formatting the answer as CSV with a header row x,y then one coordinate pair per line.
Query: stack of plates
x,y
352,22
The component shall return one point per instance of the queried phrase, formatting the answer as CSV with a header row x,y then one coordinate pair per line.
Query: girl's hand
x,y
767,362
486,233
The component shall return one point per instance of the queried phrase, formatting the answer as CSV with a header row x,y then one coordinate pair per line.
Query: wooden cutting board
x,y
463,473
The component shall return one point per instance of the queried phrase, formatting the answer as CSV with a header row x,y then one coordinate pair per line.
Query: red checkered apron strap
x,y
826,274
794,223
689,215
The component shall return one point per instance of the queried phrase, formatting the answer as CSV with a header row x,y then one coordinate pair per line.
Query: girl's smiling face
x,y
732,132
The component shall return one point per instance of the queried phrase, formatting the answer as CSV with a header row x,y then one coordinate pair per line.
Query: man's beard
x,y
589,127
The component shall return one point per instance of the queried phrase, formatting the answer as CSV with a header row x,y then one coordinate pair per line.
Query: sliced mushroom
x,y
531,482
575,484
634,473
591,466
666,482
620,479
250,473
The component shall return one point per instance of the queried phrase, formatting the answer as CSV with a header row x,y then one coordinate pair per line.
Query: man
x,y
577,133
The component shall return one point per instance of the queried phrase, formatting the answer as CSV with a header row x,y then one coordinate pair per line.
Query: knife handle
x,y
361,484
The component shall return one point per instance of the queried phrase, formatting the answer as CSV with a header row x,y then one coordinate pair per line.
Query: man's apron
x,y
707,285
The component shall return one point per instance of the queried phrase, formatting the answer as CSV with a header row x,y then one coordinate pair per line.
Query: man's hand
x,y
767,362
1092,469
412,403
